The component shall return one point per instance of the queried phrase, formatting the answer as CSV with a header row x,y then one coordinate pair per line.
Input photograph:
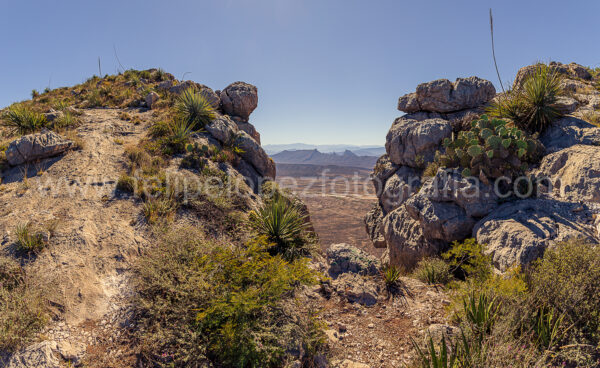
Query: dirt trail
x,y
97,235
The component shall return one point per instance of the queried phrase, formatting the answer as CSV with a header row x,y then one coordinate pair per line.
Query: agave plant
x,y
547,326
532,105
480,313
194,109
283,223
22,119
430,358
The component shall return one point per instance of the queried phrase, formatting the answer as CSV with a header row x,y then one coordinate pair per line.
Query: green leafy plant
x,y
480,312
490,148
532,105
194,109
547,327
66,120
22,119
467,259
433,271
430,358
180,133
283,223
28,239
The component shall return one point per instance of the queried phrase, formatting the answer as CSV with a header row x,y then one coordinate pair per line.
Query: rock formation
x,y
422,219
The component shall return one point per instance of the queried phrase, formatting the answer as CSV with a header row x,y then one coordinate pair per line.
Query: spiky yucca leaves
x,y
533,105
194,109
22,119
283,223
430,358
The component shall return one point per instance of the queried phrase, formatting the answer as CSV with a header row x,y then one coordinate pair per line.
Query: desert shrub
x,y
22,307
193,109
432,357
126,184
491,148
433,271
34,93
200,302
160,129
467,259
283,223
533,105
566,279
29,239
180,132
23,120
162,208
66,120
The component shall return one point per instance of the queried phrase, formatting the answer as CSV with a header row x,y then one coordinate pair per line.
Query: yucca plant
x,y
194,109
547,326
430,358
532,106
480,313
29,240
283,223
22,119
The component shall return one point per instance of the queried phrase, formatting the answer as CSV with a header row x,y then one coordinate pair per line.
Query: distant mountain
x,y
314,157
272,149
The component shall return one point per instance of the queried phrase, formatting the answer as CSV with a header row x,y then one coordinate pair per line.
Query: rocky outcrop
x,y
373,221
250,129
239,99
35,147
343,258
444,96
151,98
255,155
573,173
518,232
405,239
570,71
39,355
399,187
569,131
357,289
413,143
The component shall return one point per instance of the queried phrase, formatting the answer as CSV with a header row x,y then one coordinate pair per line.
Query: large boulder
x,y
399,187
344,258
574,173
570,71
476,198
444,96
373,220
519,232
35,147
406,241
357,289
250,129
443,221
413,143
222,128
239,99
39,355
569,131
255,155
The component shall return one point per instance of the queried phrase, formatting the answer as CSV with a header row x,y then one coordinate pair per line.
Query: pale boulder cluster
x,y
417,216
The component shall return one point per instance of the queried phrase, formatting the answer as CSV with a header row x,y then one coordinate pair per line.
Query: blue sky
x,y
327,71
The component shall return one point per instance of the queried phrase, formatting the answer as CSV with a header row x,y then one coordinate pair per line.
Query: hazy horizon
x,y
327,72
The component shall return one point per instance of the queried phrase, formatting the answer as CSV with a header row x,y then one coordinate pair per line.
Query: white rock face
x,y
36,146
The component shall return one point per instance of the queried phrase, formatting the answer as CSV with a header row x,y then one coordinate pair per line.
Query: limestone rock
x,y
567,104
444,221
72,352
518,232
222,128
39,355
256,155
357,289
413,143
344,258
36,146
444,96
239,99
384,168
151,98
438,330
373,221
570,71
250,129
574,173
398,187
405,239
569,131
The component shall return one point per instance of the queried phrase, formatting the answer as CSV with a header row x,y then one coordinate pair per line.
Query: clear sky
x,y
327,71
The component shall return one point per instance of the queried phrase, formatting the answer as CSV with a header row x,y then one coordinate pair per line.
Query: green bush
x,y
491,148
433,271
284,224
533,105
200,302
467,259
193,109
22,119
566,279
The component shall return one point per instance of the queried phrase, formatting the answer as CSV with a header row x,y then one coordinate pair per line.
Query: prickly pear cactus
x,y
491,148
